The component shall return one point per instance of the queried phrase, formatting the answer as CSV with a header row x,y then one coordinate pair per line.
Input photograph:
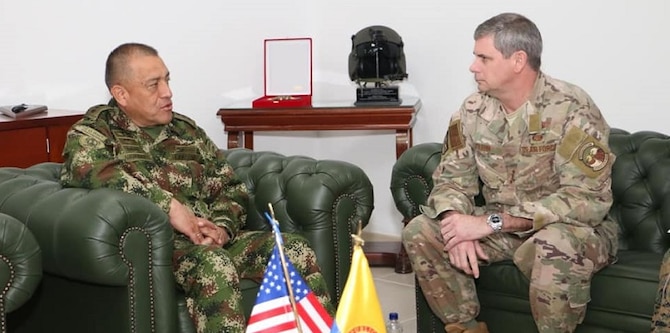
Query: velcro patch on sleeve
x,y
584,151
455,138
91,132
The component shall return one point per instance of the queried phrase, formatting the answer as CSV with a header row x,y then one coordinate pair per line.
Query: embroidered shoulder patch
x,y
454,136
585,152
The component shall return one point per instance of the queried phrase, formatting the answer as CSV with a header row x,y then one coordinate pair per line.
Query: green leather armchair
x,y
623,294
107,255
20,266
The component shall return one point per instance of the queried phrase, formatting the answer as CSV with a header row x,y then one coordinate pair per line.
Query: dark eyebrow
x,y
481,55
156,79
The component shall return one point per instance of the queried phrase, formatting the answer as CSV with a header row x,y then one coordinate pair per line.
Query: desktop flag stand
x,y
282,306
293,307
359,309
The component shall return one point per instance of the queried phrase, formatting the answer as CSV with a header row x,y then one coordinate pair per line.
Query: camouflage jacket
x,y
552,163
106,149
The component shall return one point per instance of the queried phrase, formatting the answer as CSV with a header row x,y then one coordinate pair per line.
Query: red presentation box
x,y
288,73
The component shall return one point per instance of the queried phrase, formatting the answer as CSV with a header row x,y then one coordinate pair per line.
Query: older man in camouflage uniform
x,y
137,144
540,147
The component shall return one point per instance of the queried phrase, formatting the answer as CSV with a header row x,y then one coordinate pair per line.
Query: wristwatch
x,y
495,221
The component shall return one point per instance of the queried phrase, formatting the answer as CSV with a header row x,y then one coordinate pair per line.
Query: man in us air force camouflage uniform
x,y
139,145
540,147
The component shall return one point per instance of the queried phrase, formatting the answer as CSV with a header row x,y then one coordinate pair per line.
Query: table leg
x,y
249,140
392,253
403,140
234,140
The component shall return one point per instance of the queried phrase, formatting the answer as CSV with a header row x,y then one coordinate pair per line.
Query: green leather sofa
x,y
20,266
107,255
623,294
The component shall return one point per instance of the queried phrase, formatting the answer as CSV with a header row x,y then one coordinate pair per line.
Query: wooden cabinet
x,y
35,139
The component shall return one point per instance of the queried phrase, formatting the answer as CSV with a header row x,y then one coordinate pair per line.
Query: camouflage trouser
x,y
559,261
210,276
660,321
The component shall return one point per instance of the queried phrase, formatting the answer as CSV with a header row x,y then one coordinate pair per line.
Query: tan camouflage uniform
x,y
552,165
660,321
105,149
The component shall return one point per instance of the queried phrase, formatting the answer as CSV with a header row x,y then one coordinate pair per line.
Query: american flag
x,y
272,312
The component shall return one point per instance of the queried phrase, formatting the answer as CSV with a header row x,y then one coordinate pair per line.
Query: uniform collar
x,y
495,116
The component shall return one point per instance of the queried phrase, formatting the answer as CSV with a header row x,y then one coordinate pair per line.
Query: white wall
x,y
53,52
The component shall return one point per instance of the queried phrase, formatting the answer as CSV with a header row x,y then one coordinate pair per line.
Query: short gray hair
x,y
513,32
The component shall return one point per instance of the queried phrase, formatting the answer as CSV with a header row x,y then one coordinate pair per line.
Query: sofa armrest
x,y
321,199
21,264
412,177
100,236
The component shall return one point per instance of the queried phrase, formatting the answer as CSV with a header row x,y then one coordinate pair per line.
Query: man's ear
x,y
520,60
120,94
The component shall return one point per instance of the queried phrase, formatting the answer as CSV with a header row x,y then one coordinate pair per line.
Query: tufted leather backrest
x,y
321,199
301,189
640,185
641,188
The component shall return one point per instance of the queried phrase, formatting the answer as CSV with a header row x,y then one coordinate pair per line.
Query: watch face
x,y
495,221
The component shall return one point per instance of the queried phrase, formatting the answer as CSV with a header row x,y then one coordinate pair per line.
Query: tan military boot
x,y
459,328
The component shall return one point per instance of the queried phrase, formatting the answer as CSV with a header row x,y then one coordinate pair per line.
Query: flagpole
x,y
287,278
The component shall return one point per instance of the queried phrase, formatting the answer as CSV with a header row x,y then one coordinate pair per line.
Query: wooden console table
x,y
36,138
241,122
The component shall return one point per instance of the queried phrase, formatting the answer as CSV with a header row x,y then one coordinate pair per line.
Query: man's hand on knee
x,y
465,256
184,221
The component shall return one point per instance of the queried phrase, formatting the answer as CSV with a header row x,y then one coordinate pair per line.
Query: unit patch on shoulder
x,y
585,152
454,136
593,156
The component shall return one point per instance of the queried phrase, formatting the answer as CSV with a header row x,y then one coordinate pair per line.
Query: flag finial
x,y
358,237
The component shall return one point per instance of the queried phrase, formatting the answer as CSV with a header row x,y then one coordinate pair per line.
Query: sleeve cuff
x,y
223,223
162,199
540,215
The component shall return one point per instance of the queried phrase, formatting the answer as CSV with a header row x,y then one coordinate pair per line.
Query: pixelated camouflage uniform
x,y
660,321
105,149
552,165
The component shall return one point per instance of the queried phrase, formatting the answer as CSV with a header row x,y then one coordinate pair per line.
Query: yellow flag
x,y
359,309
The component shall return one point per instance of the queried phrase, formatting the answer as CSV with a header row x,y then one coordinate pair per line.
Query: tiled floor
x,y
395,291
396,294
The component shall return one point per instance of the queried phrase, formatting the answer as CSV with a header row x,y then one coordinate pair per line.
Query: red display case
x,y
287,69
